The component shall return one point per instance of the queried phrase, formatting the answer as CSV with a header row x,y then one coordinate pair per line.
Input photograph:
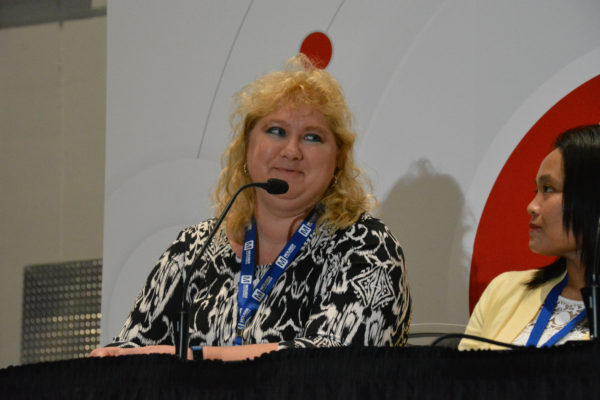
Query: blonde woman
x,y
345,282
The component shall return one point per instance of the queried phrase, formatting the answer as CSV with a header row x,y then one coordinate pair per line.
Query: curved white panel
x,y
441,90
539,102
170,194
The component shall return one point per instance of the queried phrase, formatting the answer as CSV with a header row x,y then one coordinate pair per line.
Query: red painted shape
x,y
501,241
318,48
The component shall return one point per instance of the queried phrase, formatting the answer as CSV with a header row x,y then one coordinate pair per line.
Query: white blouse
x,y
565,311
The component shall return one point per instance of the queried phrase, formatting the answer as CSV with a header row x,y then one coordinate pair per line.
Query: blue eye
x,y
547,189
275,130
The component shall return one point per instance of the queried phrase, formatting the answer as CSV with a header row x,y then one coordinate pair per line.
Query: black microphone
x,y
591,293
272,186
275,186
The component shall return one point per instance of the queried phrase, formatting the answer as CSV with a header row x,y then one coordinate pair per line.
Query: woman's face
x,y
293,144
547,235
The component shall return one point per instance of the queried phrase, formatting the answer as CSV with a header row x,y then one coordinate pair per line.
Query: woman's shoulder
x,y
367,232
366,221
511,279
366,226
192,238
201,227
369,220
516,275
191,234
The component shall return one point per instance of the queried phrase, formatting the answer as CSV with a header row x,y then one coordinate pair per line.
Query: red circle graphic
x,y
318,48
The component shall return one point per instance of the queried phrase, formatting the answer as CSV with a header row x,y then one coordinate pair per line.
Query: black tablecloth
x,y
566,372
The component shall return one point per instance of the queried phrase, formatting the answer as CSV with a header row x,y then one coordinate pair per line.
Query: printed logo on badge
x,y
246,279
266,283
281,262
243,318
289,250
249,245
258,295
304,230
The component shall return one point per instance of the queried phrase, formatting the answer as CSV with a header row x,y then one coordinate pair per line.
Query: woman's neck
x,y
576,274
273,231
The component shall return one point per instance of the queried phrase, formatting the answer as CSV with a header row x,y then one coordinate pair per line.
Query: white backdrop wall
x,y
442,92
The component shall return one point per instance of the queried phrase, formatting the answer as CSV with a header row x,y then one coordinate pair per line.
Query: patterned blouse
x,y
564,312
347,287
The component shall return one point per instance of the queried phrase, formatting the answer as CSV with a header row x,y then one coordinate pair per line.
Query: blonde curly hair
x,y
299,83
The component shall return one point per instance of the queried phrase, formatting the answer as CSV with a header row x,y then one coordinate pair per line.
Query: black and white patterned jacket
x,y
347,287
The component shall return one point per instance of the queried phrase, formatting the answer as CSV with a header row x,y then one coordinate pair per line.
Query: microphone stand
x,y
591,293
273,186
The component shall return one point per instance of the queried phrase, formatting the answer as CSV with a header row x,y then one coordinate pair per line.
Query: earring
x,y
334,180
245,169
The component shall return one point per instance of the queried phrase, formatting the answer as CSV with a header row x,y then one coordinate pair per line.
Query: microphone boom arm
x,y
273,186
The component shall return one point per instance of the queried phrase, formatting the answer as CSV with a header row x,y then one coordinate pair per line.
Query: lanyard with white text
x,y
248,304
546,313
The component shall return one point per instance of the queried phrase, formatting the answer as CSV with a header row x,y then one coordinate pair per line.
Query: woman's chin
x,y
543,251
537,249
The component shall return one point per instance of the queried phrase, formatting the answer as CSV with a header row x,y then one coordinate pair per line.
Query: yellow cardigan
x,y
505,308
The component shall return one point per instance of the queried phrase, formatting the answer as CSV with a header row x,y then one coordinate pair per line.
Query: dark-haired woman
x,y
544,307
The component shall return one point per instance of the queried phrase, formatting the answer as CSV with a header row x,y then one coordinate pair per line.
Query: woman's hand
x,y
224,353
120,351
237,353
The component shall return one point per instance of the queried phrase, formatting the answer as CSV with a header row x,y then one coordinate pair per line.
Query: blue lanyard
x,y
249,303
546,313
